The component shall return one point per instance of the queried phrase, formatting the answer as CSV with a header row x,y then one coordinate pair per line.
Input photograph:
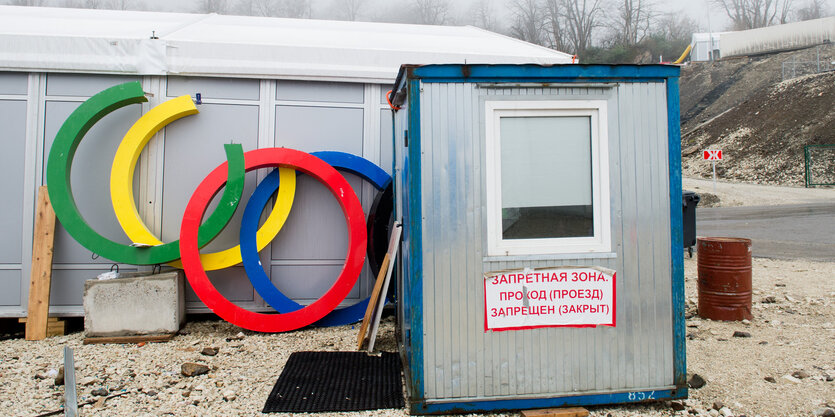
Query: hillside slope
x,y
760,123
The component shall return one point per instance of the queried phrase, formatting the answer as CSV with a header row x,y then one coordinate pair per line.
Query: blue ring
x,y
249,226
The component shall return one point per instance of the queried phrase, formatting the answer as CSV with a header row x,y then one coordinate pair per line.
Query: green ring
x,y
58,174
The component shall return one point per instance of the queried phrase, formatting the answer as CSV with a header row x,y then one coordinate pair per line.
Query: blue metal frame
x,y
410,77
415,243
567,73
676,235
631,397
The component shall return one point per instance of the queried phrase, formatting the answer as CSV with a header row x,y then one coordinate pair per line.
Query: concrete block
x,y
135,303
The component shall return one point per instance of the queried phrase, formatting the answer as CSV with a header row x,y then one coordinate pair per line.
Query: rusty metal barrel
x,y
724,266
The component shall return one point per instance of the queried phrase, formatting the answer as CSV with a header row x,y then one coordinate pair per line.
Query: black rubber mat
x,y
337,381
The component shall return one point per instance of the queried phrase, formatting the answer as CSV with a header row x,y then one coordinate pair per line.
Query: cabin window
x,y
547,177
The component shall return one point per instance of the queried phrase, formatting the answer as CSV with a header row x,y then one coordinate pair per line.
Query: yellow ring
x,y
121,186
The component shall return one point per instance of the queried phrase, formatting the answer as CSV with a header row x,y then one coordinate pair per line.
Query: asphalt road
x,y
781,232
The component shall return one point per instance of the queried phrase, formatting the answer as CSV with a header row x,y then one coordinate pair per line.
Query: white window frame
x,y
601,241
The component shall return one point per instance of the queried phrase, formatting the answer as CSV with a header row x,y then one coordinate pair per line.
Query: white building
x,y
264,82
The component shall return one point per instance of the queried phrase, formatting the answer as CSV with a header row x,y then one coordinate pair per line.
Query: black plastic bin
x,y
689,200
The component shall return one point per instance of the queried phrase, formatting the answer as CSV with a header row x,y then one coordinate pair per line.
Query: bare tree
x,y
125,5
751,14
675,26
431,12
348,9
86,4
581,18
814,9
213,6
527,21
564,25
300,9
633,20
483,15
35,3
785,11
264,7
555,24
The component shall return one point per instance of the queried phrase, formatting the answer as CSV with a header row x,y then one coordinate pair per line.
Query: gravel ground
x,y
793,332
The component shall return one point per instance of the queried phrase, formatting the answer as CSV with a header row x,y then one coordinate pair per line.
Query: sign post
x,y
713,155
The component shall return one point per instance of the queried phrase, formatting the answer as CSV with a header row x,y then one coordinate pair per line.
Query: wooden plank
x,y
128,339
54,326
382,278
375,322
49,321
372,301
41,278
557,412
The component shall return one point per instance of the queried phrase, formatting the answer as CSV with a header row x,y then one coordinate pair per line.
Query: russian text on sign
x,y
549,297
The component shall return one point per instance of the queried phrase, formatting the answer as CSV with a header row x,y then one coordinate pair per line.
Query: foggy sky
x,y
707,15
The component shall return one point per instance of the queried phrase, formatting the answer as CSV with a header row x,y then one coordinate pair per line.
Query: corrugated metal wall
x,y
461,360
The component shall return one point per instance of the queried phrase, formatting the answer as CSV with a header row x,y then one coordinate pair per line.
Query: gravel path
x,y
728,194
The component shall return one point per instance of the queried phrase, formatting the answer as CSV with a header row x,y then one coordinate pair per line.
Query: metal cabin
x,y
312,85
523,167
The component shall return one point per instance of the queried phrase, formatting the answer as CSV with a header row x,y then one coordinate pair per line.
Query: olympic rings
x,y
59,167
121,192
193,235
351,208
124,165
252,264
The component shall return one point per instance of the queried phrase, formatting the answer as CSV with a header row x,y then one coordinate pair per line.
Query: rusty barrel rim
x,y
722,239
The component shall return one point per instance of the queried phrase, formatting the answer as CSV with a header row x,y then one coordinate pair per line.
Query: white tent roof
x,y
108,41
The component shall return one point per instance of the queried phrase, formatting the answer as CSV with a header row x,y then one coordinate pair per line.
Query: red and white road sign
x,y
712,155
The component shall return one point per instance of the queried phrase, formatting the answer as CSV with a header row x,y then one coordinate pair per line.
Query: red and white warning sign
x,y
712,155
549,297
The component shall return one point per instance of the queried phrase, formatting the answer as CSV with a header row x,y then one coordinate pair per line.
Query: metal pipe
x,y
70,394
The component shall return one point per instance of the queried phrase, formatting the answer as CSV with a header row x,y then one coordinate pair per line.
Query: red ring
x,y
354,217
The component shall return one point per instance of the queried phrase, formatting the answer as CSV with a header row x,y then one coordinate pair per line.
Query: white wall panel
x,y
13,142
82,85
13,83
214,88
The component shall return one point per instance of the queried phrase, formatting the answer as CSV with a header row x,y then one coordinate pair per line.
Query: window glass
x,y
546,189
547,177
